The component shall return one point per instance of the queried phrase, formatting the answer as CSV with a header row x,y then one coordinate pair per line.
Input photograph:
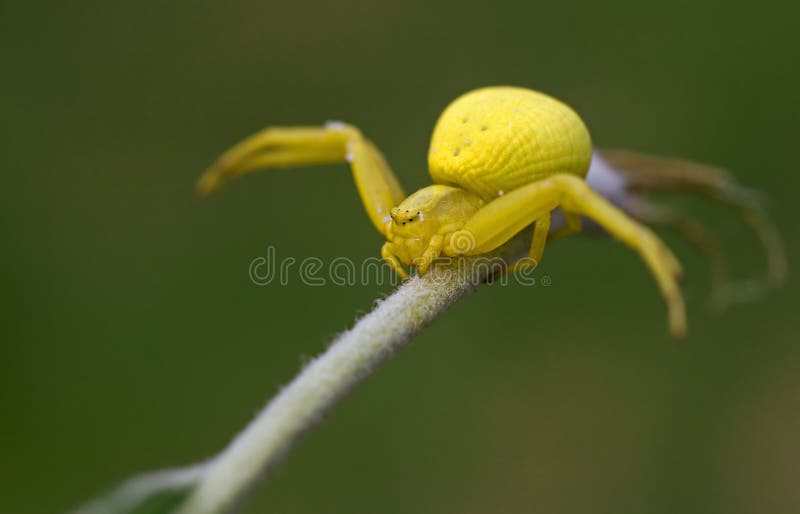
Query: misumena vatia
x,y
501,159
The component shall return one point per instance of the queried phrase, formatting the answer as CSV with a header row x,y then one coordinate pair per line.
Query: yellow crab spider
x,y
501,159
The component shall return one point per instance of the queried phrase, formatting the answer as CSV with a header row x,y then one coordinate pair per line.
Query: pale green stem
x,y
302,403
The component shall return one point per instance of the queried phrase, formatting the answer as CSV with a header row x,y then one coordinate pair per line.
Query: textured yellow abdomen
x,y
493,140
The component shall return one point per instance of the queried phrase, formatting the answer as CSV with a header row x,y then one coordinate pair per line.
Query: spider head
x,y
417,218
424,213
414,226
403,216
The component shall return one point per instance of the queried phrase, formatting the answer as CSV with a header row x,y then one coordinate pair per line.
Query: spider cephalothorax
x,y
421,227
501,159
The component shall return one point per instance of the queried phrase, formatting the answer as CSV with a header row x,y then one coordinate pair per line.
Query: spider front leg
x,y
389,255
395,253
431,253
504,217
284,147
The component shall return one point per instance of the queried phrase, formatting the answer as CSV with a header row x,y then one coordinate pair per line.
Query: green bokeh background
x,y
132,338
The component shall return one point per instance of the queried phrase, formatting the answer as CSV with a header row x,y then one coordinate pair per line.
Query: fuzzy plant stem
x,y
217,485
323,382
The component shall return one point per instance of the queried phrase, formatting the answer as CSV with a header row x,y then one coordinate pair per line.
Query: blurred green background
x,y
132,338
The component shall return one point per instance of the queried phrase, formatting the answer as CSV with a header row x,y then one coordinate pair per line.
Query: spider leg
x,y
540,238
696,234
387,253
574,224
502,218
646,173
431,253
284,147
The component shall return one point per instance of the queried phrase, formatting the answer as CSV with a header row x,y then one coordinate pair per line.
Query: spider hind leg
x,y
644,174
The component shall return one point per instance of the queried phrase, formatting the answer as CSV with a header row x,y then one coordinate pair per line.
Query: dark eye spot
x,y
410,220
404,223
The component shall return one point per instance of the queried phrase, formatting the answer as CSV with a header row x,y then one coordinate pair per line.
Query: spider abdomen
x,y
493,140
